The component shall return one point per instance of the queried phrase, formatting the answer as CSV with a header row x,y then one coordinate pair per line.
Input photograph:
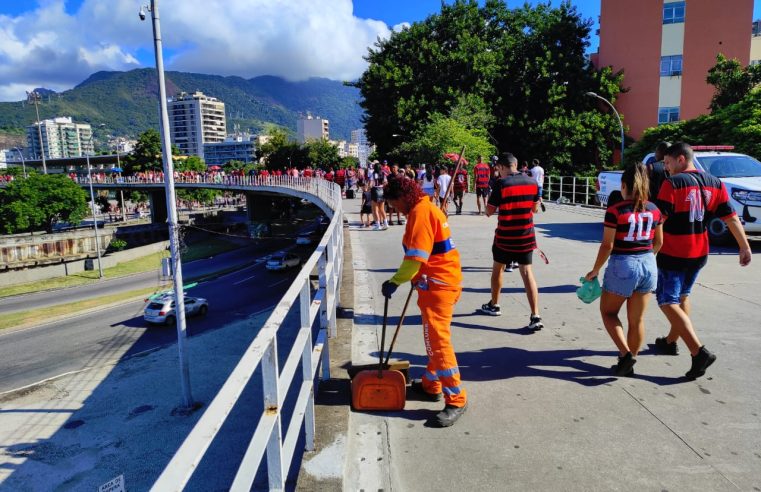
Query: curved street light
x,y
594,94
21,154
34,97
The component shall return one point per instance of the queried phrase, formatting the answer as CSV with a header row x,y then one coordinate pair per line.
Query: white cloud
x,y
295,39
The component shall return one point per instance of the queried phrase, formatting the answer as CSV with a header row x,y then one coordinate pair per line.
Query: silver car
x,y
282,261
161,309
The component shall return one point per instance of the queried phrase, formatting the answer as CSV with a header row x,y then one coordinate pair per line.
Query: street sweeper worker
x,y
432,263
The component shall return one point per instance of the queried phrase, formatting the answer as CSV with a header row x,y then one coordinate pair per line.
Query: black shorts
x,y
458,193
507,257
366,209
484,192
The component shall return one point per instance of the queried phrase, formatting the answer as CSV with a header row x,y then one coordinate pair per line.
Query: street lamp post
x,y
593,94
171,206
21,154
34,97
94,216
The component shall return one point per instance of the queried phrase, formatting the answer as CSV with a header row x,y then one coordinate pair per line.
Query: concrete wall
x,y
69,268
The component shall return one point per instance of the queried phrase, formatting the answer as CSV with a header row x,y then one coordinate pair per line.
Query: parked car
x,y
741,175
161,309
306,238
282,261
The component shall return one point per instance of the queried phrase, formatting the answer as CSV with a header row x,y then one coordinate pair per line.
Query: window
x,y
673,12
671,65
668,115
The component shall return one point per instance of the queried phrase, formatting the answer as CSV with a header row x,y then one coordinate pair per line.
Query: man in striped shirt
x,y
516,198
686,199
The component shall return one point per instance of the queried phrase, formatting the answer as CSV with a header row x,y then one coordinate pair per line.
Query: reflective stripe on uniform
x,y
441,247
416,252
430,376
455,390
444,373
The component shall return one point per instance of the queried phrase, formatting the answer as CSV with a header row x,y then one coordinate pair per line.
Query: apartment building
x,y
61,137
238,147
312,128
665,49
196,119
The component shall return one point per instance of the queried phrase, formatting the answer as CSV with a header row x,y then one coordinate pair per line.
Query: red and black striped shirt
x,y
634,230
686,211
514,197
482,173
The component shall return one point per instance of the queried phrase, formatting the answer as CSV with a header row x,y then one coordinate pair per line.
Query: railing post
x,y
306,365
586,191
573,197
324,314
272,404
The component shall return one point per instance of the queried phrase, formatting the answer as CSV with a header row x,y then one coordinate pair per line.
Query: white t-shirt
x,y
537,172
443,181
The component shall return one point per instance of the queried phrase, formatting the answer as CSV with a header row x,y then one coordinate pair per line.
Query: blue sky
x,y
58,43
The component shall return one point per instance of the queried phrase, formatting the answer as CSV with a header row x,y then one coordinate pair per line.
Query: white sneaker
x,y
377,227
385,226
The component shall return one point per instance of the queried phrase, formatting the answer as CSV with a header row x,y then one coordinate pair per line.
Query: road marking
x,y
244,280
44,381
279,282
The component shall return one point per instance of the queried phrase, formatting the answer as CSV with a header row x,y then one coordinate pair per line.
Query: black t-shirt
x,y
657,174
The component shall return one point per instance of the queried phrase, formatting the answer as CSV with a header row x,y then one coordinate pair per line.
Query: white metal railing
x,y
268,437
572,189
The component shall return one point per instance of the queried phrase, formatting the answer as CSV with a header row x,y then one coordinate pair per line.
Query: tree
x,y
322,153
40,201
191,163
732,81
147,153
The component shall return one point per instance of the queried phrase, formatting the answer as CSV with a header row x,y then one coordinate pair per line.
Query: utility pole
x,y
94,217
34,97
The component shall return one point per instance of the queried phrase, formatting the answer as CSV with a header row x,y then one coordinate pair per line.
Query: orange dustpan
x,y
379,389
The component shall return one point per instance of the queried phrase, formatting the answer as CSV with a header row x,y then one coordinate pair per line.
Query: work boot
x,y
700,362
420,392
663,346
625,366
449,415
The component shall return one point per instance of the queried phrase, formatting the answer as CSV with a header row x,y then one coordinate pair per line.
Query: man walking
x,y
686,198
515,197
458,188
432,263
656,170
442,184
537,172
481,175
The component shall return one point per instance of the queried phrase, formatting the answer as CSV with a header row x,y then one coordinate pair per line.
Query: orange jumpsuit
x,y
439,283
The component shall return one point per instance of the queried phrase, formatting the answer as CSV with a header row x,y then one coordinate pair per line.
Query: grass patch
x,y
40,315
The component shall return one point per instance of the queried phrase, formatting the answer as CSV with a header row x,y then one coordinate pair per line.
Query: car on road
x,y
282,261
306,238
161,310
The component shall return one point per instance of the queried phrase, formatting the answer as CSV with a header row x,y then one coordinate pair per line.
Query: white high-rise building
x,y
196,119
312,128
61,137
359,140
237,147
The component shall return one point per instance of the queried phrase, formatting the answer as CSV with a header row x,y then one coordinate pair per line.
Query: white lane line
x,y
244,280
278,283
45,381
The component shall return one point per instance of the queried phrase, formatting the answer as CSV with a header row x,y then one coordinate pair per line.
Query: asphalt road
x,y
31,355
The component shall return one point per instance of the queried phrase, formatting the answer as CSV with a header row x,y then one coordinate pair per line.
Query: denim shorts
x,y
675,284
627,274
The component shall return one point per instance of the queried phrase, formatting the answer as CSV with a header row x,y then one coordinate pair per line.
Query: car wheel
x,y
171,320
718,232
202,310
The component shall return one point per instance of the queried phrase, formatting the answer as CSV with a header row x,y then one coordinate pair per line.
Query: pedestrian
x,y
686,199
515,198
378,181
366,209
432,263
428,182
442,186
657,170
458,189
481,175
632,235
537,172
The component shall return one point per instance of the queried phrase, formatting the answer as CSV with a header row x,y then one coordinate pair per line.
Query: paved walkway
x,y
545,413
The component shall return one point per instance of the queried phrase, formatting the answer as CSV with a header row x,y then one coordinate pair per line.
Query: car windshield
x,y
731,166
155,306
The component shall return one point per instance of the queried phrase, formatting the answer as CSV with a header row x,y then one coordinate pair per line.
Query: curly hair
x,y
405,189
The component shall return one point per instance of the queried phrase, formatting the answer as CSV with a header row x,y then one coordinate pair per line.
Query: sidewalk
x,y
545,413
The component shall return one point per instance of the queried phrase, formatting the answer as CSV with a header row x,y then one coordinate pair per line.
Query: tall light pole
x,y
21,154
593,94
94,217
166,151
34,97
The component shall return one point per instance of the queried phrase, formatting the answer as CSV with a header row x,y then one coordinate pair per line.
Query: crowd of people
x,y
655,241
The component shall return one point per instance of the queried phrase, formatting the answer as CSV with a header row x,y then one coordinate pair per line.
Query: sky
x,y
57,44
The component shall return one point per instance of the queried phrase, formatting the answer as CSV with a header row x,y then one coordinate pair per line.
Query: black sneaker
x,y
491,309
662,346
449,415
535,323
625,366
544,209
417,388
700,362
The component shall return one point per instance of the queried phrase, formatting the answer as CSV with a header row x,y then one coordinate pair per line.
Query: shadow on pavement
x,y
550,289
590,232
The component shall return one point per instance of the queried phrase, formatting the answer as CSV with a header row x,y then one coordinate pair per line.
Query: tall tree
x,y
731,80
322,153
40,201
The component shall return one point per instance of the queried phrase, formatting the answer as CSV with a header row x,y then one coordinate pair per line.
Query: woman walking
x,y
632,236
377,182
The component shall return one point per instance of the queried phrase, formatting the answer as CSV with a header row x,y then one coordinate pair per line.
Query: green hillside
x,y
126,103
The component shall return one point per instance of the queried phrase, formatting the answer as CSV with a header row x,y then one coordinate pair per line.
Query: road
x,y
31,355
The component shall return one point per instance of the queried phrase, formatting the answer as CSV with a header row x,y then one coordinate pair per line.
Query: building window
x,y
671,65
668,115
673,12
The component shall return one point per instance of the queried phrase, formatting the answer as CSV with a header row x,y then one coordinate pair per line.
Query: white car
x,y
282,261
741,175
305,238
160,310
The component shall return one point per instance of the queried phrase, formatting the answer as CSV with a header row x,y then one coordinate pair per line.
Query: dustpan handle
x,y
399,325
383,337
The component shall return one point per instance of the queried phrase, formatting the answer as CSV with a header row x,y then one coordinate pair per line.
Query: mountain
x,y
126,103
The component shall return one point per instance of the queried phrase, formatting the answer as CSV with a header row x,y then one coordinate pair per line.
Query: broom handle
x,y
451,181
399,325
383,337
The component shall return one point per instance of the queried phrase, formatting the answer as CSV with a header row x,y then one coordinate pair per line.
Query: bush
x,y
117,244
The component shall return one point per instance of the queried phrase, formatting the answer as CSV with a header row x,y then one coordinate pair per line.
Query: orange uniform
x,y
427,240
